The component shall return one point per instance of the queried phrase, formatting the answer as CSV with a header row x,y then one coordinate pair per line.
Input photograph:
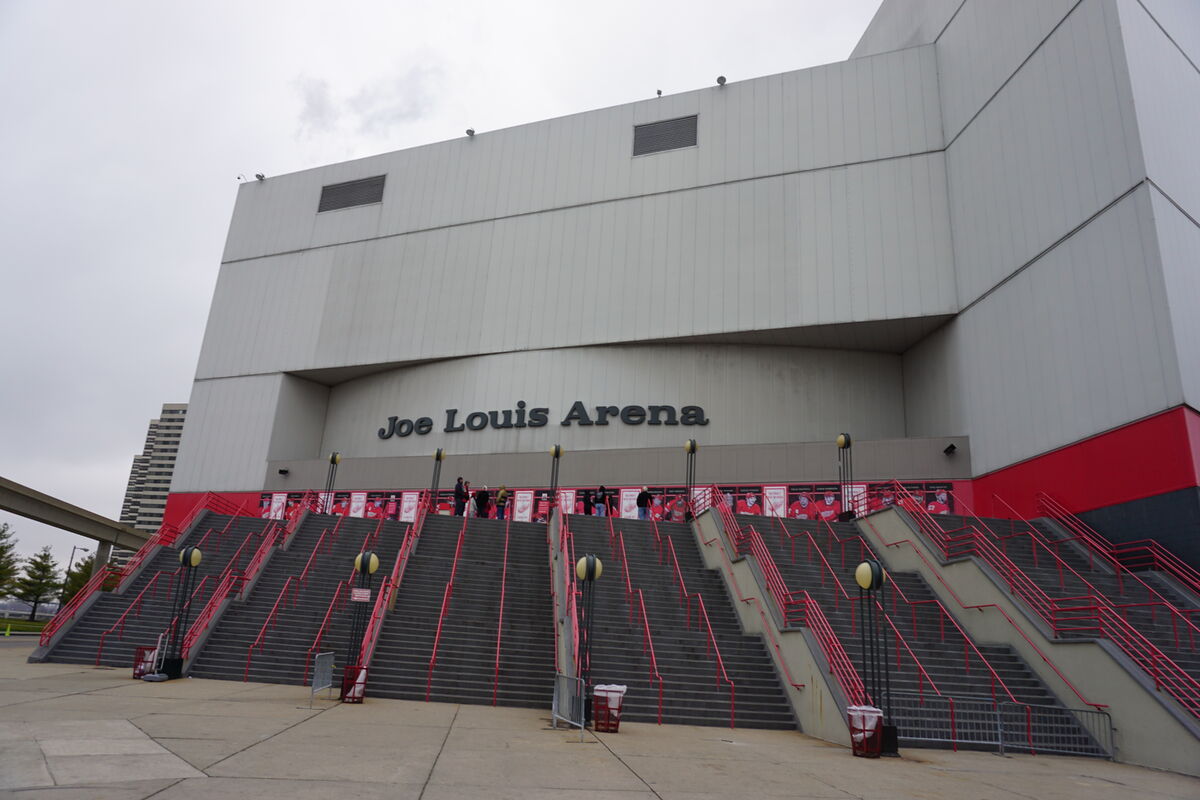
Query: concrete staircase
x,y
1033,547
142,626
284,650
691,693
973,674
465,668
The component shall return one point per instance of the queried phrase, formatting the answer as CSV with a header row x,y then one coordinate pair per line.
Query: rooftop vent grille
x,y
670,134
351,193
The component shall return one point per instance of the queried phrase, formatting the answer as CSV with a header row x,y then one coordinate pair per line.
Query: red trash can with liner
x,y
606,707
866,730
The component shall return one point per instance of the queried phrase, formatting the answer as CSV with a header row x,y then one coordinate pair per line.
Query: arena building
x,y
980,230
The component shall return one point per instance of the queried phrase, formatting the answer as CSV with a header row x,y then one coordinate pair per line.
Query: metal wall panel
x,y
227,434
1179,249
743,130
750,394
1054,147
1166,91
864,242
905,23
983,46
1072,346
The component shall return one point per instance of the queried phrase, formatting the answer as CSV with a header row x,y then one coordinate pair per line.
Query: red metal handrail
x,y
134,608
1165,672
336,602
812,617
982,606
1159,557
711,648
944,614
312,557
288,592
446,593
384,600
169,631
68,611
617,545
500,617
230,582
1158,601
270,537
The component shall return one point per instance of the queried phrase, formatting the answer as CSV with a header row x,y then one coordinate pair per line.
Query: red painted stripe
x,y
1145,458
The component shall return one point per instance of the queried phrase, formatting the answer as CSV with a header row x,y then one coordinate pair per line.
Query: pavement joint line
x,y
260,741
172,785
631,769
438,758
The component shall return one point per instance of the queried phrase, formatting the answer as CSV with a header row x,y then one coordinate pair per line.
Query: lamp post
x,y
587,570
439,456
70,563
365,565
189,559
555,454
689,480
335,458
871,577
845,475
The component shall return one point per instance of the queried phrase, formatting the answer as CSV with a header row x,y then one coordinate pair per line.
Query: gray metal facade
x,y
983,224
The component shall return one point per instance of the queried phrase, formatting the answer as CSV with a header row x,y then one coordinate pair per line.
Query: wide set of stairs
x,y
692,693
934,663
143,624
464,670
283,653
1068,573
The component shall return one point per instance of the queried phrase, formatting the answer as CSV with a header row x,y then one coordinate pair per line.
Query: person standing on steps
x,y
501,501
601,503
482,499
460,497
643,503
588,504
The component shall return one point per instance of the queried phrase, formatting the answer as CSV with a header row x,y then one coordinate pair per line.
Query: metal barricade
x,y
567,704
322,675
980,723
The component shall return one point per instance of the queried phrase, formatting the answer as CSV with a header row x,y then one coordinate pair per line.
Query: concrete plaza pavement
x,y
68,731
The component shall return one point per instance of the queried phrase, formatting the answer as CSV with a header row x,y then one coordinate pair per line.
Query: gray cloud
x,y
406,98
319,113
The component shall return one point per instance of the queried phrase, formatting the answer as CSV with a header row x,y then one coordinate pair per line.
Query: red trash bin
x,y
143,660
606,708
866,730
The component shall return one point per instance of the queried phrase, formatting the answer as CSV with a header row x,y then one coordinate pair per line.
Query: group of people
x,y
480,502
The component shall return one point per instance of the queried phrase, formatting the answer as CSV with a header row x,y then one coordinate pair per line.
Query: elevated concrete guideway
x,y
43,508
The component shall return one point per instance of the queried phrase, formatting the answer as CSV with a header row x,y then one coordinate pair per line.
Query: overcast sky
x,y
125,126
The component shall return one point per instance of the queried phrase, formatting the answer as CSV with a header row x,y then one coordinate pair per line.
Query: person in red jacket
x,y
803,508
829,507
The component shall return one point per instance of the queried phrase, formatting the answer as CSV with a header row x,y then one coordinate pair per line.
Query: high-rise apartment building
x,y
150,476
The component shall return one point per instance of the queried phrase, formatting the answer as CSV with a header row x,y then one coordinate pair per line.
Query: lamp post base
x,y
889,744
173,668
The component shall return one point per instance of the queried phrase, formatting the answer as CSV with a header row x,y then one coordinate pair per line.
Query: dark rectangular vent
x,y
351,193
670,134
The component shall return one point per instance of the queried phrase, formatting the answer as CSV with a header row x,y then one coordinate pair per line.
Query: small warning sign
x,y
360,595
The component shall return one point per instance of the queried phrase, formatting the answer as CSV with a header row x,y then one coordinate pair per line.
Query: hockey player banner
x,y
358,503
278,505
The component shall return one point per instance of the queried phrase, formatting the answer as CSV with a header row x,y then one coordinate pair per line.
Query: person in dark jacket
x,y
460,498
643,503
482,499
601,502
588,505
